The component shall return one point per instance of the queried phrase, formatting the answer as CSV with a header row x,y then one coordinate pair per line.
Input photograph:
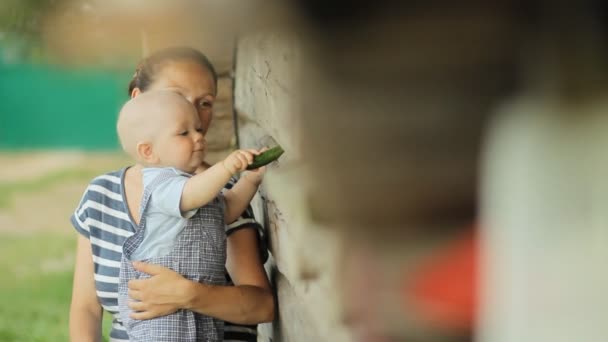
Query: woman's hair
x,y
148,67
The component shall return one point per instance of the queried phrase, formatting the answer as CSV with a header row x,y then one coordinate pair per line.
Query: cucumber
x,y
266,157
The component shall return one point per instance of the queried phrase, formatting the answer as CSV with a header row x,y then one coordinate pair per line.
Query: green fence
x,y
45,107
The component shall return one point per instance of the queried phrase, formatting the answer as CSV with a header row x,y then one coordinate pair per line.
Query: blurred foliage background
x,y
57,131
46,103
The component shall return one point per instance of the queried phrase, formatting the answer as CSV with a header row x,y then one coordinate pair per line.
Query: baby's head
x,y
161,128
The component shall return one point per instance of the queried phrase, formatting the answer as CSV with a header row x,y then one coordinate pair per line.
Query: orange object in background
x,y
444,287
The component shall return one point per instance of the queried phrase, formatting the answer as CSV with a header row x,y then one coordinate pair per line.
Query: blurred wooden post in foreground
x,y
545,191
381,112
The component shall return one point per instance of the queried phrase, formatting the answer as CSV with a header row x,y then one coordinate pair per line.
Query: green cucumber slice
x,y
266,157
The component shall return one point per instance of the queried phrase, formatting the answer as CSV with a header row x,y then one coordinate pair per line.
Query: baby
x,y
183,216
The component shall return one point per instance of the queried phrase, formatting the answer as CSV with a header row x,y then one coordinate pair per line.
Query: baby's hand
x,y
257,175
239,160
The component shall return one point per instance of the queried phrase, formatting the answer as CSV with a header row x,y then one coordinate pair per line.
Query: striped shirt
x,y
103,217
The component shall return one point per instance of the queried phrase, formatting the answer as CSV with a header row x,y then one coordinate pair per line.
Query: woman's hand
x,y
162,294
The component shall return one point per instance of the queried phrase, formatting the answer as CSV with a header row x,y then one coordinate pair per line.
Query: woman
x,y
113,202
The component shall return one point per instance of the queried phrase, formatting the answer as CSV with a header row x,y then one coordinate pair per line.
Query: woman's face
x,y
192,81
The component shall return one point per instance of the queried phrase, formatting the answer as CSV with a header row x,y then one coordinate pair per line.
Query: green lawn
x,y
36,287
36,264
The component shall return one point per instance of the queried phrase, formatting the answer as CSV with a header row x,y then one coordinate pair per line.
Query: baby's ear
x,y
145,152
135,92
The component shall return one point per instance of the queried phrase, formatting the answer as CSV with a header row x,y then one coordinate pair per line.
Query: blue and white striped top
x,y
103,217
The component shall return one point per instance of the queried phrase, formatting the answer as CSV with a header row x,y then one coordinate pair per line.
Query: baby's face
x,y
180,142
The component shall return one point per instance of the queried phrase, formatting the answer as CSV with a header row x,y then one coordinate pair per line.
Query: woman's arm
x,y
85,311
250,301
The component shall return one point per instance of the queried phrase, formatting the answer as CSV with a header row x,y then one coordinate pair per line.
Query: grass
x,y
36,268
36,288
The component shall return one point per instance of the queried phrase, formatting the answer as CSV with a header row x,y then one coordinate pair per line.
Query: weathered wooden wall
x,y
305,256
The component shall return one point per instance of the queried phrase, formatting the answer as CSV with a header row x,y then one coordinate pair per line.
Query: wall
x,y
305,254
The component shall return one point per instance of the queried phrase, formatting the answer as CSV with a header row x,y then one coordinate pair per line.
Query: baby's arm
x,y
201,188
238,198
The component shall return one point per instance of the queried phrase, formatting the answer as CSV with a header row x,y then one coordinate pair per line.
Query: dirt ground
x,y
40,190
43,188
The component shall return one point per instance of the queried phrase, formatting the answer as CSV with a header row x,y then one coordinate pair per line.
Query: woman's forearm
x,y
85,325
85,311
243,304
166,291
